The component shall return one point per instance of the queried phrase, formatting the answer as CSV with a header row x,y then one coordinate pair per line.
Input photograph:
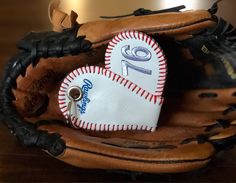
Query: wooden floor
x,y
20,164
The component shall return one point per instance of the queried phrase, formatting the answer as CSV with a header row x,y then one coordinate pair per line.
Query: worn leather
x,y
190,126
169,149
180,25
171,24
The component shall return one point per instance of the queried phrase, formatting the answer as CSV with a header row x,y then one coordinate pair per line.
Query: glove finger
x,y
162,24
135,155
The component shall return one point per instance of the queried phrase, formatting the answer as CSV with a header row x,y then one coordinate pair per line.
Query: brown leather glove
x,y
197,118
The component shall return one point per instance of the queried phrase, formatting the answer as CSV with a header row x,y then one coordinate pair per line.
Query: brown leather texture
x,y
190,123
183,118
171,24
167,154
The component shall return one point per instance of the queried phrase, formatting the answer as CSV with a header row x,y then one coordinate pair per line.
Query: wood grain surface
x,y
20,164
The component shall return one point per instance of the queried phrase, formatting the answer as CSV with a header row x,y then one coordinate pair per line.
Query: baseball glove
x,y
197,117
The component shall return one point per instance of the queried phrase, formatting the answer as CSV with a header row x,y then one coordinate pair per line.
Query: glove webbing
x,y
36,46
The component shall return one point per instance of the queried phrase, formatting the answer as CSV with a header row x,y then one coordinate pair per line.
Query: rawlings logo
x,y
85,100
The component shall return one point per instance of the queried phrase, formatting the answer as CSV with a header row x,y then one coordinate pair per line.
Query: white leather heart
x,y
110,102
138,58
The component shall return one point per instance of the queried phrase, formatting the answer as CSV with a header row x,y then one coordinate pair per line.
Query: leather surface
x,y
166,154
190,122
172,24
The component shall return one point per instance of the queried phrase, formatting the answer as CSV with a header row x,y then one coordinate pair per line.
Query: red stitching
x,y
77,72
109,74
69,75
153,44
155,99
122,80
73,72
135,86
86,69
139,35
87,125
129,32
113,41
82,70
61,95
65,83
64,111
119,37
134,34
114,76
106,72
147,38
63,91
118,78
61,99
158,52
77,122
130,85
147,95
162,72
67,79
142,93
151,98
164,64
111,45
158,47
126,82
93,68
138,90
126,35
108,48
123,36
163,60
150,41
63,107
63,87
95,126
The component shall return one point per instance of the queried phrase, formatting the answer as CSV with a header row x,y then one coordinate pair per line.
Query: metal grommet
x,y
75,93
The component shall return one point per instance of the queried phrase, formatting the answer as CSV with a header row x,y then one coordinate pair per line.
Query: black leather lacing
x,y
36,46
142,12
214,7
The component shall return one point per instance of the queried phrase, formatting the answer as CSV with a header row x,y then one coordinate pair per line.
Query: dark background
x,y
20,164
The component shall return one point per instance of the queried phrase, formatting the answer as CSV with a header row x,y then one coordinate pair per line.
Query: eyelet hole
x,y
75,93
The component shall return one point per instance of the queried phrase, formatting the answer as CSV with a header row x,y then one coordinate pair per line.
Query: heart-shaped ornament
x,y
126,95
107,101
